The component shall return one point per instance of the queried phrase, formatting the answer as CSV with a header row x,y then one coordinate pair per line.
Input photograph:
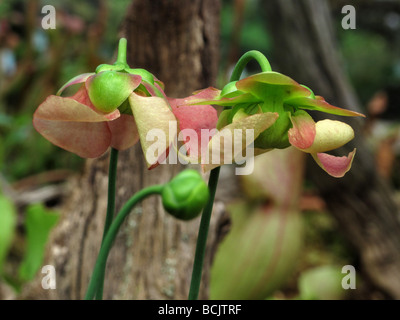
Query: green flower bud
x,y
109,89
185,196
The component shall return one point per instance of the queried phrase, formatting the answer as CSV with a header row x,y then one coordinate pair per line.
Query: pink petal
x,y
303,133
73,108
201,97
124,133
197,118
78,79
73,125
334,166
86,139
209,93
320,104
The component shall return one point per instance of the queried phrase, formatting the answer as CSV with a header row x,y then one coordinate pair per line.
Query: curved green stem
x,y
245,59
112,175
213,182
112,233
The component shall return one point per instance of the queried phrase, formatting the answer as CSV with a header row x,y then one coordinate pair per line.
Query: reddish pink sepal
x,y
73,124
86,139
78,79
334,166
319,104
197,118
124,133
303,132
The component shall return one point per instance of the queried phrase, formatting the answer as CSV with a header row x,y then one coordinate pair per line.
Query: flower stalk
x,y
188,183
100,266
213,182
112,175
122,47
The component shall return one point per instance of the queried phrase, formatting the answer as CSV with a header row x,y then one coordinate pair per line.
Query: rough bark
x,y
152,257
177,40
305,48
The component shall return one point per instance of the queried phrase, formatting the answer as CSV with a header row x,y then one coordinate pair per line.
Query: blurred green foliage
x,y
38,223
322,283
253,34
324,243
369,61
8,221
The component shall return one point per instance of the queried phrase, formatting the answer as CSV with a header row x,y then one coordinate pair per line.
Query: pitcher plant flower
x,y
276,106
116,106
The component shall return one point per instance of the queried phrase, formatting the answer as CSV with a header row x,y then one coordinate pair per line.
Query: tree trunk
x,y
305,49
153,255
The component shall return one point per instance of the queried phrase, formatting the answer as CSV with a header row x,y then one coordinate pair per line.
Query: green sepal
x,y
110,67
244,108
223,119
146,75
276,136
312,95
125,108
230,90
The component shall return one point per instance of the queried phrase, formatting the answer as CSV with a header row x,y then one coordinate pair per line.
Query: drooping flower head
x,y
283,102
113,107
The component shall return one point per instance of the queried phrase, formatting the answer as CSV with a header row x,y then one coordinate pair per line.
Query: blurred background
x,y
35,62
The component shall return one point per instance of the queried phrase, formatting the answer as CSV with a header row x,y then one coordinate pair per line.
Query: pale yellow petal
x,y
330,135
156,124
229,145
